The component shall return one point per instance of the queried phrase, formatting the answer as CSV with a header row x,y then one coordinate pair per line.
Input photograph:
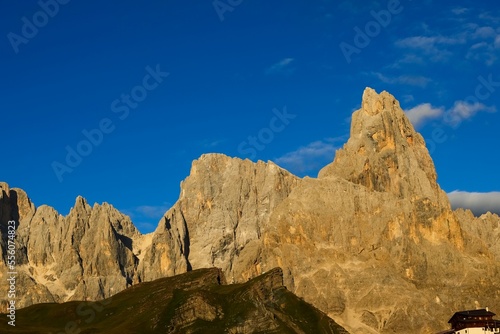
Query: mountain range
x,y
372,241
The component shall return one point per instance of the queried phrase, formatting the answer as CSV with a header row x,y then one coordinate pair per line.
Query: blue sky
x,y
139,89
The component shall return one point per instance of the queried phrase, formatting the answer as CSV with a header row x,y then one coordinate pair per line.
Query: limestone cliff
x,y
372,241
218,220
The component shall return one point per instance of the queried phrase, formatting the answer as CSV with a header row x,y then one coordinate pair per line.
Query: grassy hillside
x,y
195,302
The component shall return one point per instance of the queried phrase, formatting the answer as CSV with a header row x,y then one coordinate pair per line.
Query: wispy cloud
x,y
478,203
210,143
410,80
423,112
483,52
407,59
283,66
490,17
485,42
479,39
429,43
151,211
408,98
435,48
459,10
463,110
484,32
311,157
146,217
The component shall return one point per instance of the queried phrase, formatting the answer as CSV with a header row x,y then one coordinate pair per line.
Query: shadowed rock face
x,y
372,241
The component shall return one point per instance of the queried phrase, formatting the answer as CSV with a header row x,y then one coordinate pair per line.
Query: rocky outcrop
x,y
372,241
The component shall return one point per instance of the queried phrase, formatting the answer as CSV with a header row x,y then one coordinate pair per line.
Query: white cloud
x,y
311,157
423,112
462,110
283,66
478,203
453,116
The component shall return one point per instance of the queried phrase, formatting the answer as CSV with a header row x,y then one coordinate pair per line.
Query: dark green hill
x,y
195,302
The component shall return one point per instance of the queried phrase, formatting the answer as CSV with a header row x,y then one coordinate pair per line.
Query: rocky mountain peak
x,y
384,152
373,103
81,204
4,189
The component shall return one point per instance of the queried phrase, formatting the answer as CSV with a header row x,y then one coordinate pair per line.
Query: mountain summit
x,y
372,241
384,152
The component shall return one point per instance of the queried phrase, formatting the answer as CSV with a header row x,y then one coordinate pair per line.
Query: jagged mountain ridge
x,y
372,241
